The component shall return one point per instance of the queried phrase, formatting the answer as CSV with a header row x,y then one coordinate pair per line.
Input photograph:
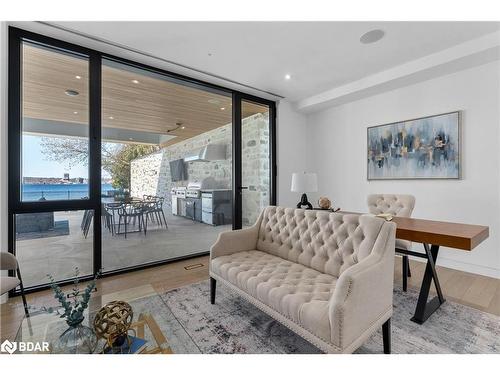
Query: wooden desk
x,y
433,234
454,235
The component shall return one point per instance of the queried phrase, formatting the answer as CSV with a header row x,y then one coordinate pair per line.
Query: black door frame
x,y
238,98
16,205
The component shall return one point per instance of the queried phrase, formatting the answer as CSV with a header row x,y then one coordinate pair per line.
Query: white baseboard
x,y
465,267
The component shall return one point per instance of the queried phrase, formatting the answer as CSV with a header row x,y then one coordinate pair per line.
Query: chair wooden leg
x,y
386,336
213,284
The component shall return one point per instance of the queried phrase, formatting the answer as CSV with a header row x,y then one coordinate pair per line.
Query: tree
x,y
116,157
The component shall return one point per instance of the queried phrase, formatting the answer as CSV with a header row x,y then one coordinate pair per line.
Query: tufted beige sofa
x,y
326,276
397,205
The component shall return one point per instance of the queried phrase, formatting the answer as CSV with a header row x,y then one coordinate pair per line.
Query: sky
x,y
35,163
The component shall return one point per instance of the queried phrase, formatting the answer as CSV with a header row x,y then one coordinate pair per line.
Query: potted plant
x,y
77,338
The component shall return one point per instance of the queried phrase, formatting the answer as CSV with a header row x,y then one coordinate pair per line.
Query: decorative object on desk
x,y
112,322
422,148
324,203
132,345
77,339
304,182
387,217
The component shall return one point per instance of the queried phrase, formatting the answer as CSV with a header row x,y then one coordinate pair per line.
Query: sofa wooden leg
x,y
386,335
213,284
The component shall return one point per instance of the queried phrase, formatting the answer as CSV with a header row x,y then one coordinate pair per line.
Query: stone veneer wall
x,y
150,174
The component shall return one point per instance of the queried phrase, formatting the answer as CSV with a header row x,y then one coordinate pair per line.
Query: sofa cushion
x,y
295,291
327,242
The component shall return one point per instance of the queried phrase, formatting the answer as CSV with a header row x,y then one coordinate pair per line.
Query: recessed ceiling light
x,y
78,77
111,117
135,81
288,76
71,92
372,36
183,127
222,108
75,112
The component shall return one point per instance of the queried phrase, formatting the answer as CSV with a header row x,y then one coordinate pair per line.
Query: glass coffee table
x,y
152,319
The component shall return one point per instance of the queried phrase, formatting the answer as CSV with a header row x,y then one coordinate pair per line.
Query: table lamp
x,y
304,182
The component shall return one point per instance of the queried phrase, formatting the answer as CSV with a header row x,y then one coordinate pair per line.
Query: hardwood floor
x,y
480,292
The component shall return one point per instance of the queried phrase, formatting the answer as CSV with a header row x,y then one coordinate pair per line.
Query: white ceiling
x,y
319,55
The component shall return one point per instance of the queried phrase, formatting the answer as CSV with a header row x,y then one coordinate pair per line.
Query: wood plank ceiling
x,y
131,99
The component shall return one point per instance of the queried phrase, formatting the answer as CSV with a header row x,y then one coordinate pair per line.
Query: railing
x,y
61,194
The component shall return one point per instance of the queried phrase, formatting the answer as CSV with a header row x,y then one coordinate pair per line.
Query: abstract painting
x,y
426,148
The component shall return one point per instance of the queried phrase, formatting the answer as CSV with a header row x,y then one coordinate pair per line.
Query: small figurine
x,y
324,203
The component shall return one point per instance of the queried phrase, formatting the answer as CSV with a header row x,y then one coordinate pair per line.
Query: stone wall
x,y
150,175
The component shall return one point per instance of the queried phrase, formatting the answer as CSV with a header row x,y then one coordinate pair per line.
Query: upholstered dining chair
x,y
396,205
8,262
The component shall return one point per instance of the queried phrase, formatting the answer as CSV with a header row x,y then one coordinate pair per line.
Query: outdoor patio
x,y
62,253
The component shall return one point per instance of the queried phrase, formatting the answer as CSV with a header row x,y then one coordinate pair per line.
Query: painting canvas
x,y
427,147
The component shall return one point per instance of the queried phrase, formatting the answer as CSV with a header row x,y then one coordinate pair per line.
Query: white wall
x,y
291,150
337,147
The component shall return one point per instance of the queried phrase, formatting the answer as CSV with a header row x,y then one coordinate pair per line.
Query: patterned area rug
x,y
233,325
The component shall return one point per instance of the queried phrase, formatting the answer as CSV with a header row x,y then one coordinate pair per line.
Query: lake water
x,y
34,192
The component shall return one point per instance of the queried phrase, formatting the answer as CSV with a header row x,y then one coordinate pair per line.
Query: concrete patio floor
x,y
60,255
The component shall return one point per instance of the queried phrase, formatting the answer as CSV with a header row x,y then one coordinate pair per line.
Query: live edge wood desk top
x,y
441,233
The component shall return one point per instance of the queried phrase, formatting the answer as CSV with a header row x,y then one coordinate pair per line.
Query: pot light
x,y
78,77
111,117
183,127
135,81
372,36
222,108
288,77
75,112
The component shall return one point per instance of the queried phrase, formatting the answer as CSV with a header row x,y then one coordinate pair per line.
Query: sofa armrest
x,y
364,291
234,241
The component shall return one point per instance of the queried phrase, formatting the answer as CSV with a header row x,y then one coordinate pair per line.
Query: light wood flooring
x,y
477,291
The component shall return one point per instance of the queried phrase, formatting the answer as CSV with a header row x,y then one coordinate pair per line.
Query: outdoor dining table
x,y
114,206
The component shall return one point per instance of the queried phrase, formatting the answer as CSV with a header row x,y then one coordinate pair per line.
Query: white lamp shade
x,y
303,182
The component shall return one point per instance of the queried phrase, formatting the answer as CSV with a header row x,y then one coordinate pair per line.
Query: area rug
x,y
233,325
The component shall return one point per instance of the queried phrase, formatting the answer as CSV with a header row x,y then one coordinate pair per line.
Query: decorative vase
x,y
77,339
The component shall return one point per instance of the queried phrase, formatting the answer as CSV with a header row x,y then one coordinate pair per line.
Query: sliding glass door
x,y
167,162
49,177
115,165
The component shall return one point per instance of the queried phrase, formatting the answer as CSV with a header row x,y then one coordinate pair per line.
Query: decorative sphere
x,y
324,203
113,320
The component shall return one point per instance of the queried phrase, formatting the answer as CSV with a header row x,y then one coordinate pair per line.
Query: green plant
x,y
74,303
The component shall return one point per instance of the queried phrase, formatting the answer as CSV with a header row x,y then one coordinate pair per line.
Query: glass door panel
x,y
167,166
55,128
54,168
255,160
